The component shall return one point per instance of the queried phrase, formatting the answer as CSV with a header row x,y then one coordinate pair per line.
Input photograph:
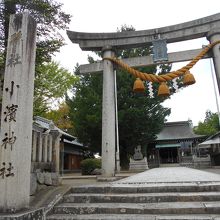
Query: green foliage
x,y
88,165
85,110
209,126
140,118
50,20
51,83
60,117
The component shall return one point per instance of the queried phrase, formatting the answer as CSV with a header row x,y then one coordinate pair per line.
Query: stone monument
x,y
17,112
138,162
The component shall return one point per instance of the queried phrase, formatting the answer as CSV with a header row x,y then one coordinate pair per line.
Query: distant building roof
x,y
214,139
73,142
180,130
49,125
213,136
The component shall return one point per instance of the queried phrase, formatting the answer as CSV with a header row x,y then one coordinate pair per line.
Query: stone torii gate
x,y
208,27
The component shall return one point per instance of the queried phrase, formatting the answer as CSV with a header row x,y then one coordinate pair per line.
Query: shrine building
x,y
175,144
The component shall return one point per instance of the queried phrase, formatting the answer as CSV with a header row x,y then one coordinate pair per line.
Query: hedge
x,y
88,165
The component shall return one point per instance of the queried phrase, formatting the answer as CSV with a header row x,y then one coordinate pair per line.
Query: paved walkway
x,y
171,175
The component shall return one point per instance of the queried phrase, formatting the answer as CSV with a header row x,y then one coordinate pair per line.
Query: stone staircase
x,y
161,201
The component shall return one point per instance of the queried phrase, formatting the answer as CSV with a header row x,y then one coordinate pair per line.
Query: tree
x,y
85,110
51,81
50,20
51,84
209,126
60,117
140,118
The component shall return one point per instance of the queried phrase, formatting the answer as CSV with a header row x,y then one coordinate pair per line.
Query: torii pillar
x,y
213,36
108,116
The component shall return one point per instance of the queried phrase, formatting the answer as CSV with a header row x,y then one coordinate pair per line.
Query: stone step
x,y
141,198
149,188
139,208
132,217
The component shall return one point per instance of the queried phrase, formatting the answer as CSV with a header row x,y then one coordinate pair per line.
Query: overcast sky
x,y
106,16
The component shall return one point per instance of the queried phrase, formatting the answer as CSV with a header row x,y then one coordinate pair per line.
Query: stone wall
x,y
43,164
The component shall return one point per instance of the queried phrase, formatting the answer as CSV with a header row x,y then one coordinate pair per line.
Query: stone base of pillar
x,y
138,165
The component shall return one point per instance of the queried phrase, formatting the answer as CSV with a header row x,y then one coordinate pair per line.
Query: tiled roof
x,y
180,130
214,139
48,124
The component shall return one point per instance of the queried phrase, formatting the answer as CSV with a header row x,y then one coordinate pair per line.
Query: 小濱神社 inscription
x,y
10,139
10,113
6,171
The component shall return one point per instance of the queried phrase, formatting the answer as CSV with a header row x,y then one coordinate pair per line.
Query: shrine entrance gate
x,y
208,27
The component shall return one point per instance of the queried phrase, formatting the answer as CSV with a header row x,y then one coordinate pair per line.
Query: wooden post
x,y
17,111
